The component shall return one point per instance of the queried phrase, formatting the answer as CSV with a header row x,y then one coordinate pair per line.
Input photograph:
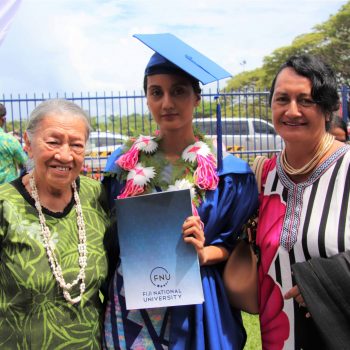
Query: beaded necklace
x,y
49,246
323,147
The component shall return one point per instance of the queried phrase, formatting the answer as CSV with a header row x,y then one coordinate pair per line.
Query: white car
x,y
242,134
99,146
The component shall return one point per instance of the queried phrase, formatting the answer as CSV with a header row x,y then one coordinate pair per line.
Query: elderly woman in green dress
x,y
52,227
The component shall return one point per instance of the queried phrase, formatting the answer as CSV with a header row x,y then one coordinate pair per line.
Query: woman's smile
x,y
294,123
61,168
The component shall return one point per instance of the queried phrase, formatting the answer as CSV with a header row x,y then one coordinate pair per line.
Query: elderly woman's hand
x,y
192,231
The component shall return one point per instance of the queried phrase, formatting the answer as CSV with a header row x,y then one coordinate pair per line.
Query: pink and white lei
x,y
139,176
205,176
129,160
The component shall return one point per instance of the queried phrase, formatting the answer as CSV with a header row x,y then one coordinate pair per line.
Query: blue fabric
x,y
234,165
219,132
184,56
160,65
111,166
213,324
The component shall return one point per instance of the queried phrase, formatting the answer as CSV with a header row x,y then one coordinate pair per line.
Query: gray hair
x,y
55,106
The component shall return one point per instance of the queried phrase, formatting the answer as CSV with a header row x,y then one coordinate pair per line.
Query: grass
x,y
251,324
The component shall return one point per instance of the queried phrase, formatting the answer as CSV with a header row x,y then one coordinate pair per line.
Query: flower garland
x,y
48,244
143,167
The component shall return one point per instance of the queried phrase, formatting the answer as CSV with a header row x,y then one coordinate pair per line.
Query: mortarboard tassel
x,y
218,131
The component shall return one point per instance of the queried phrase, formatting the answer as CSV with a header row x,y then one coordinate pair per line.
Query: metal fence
x,y
246,121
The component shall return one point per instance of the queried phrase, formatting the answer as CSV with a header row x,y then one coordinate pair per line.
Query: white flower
x,y
141,175
190,153
146,144
183,185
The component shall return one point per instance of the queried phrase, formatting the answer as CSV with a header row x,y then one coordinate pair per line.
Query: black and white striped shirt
x,y
316,224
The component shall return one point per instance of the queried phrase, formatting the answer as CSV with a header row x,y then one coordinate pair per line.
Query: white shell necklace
x,y
323,147
49,246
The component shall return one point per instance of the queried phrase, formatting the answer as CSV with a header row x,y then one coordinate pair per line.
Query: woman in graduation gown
x,y
222,202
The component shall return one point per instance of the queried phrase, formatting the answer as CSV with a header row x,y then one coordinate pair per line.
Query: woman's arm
x,y
193,234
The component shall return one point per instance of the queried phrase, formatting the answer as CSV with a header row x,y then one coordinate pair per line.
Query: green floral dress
x,y
33,312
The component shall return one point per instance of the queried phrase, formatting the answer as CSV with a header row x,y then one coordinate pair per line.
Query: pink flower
x,y
137,179
273,320
129,159
205,175
131,189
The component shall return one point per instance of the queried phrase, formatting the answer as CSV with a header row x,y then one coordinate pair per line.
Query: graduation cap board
x,y
192,62
184,56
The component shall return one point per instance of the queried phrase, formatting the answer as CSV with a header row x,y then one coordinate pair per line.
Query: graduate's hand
x,y
192,232
294,292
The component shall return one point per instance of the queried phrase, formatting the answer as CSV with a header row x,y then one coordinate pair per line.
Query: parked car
x,y
243,134
99,146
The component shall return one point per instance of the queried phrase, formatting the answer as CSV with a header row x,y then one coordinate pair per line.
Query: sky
x,y
81,46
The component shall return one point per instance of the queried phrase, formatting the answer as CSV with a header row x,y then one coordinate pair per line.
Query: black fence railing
x,y
246,121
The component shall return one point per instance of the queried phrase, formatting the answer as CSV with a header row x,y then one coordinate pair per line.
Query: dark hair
x,y
2,110
323,80
193,81
338,122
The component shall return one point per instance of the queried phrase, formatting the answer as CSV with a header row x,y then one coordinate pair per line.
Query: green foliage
x,y
329,40
306,43
17,126
252,327
248,102
131,125
247,80
206,109
336,48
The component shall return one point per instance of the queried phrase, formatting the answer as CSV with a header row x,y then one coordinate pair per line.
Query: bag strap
x,y
257,168
251,226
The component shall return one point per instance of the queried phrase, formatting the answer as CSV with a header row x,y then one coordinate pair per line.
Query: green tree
x,y
247,80
336,43
330,40
205,109
306,43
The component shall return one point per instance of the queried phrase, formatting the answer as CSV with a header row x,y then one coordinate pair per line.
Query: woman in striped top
x,y
304,209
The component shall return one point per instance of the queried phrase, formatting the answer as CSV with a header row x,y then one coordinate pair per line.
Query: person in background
x,y
12,155
338,128
304,212
16,135
53,224
221,205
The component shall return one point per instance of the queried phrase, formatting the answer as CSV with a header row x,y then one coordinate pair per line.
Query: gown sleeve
x,y
228,208
110,181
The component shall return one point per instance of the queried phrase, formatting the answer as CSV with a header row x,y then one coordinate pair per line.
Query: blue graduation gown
x,y
213,324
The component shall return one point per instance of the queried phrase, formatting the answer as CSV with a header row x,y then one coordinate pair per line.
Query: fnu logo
x,y
160,277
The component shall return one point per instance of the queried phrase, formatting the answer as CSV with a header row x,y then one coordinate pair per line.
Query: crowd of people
x,y
12,155
61,271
